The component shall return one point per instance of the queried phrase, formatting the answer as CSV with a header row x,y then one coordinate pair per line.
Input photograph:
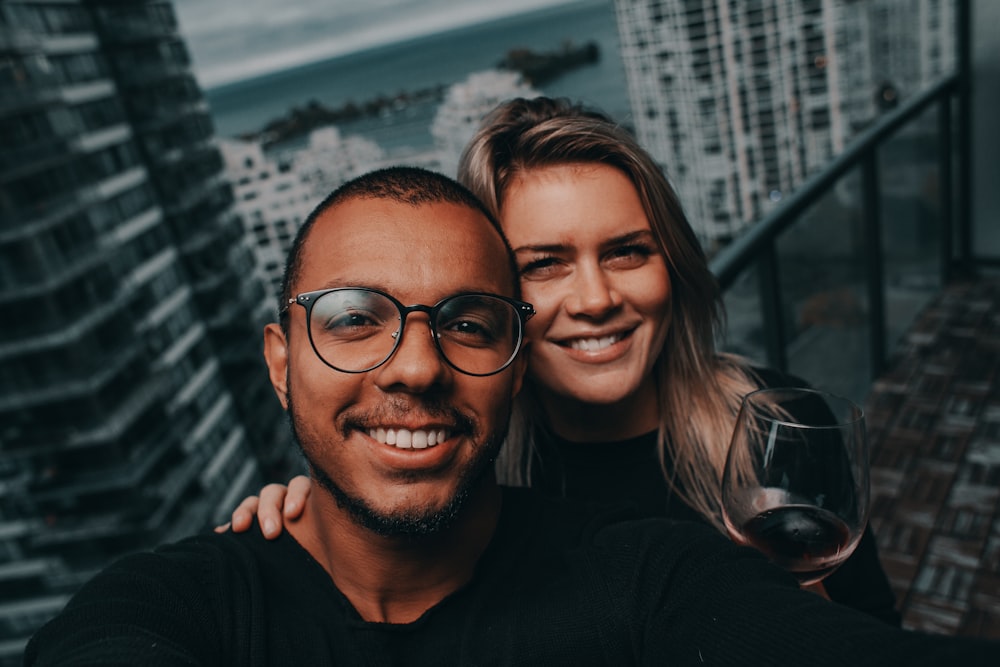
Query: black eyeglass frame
x,y
525,311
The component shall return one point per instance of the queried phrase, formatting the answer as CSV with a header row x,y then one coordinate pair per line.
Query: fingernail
x,y
270,527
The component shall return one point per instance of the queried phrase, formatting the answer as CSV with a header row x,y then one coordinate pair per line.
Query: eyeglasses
x,y
356,329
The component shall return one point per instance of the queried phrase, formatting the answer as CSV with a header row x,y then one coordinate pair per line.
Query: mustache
x,y
396,409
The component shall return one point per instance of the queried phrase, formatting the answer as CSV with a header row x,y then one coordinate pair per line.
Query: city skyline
x,y
131,412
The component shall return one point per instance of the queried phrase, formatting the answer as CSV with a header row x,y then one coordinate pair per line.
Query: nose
x,y
594,295
416,366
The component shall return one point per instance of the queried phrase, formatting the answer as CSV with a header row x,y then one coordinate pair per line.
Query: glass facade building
x,y
742,100
134,406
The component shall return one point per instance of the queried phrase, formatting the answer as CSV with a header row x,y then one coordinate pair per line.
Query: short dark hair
x,y
408,185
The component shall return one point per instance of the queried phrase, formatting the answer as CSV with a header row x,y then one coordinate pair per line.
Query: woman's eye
x,y
538,266
630,254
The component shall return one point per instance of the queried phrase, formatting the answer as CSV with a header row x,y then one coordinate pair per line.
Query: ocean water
x,y
421,63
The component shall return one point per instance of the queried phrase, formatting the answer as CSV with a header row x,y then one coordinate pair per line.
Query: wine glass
x,y
796,481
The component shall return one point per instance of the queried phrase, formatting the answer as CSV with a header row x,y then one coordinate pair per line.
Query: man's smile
x,y
404,438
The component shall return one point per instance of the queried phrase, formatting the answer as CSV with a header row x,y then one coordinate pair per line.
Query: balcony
x,y
878,279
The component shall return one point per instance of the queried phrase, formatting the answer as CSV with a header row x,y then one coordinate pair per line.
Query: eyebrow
x,y
621,239
462,289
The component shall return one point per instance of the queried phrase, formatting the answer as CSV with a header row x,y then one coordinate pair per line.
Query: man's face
x,y
418,254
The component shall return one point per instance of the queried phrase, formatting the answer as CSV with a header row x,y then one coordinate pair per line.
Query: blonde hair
x,y
699,389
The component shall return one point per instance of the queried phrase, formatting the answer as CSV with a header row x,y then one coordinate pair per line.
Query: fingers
x,y
272,500
243,515
295,500
275,505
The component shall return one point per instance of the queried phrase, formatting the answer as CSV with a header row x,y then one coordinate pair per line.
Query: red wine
x,y
807,541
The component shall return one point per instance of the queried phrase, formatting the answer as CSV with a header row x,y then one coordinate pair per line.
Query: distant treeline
x,y
537,67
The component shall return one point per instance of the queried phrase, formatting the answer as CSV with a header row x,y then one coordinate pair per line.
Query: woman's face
x,y
599,282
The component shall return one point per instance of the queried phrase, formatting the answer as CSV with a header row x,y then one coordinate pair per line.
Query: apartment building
x,y
275,190
741,100
133,403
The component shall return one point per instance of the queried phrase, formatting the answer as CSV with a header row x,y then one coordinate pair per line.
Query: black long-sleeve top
x,y
630,471
560,584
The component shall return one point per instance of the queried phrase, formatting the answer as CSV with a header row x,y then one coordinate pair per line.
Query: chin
x,y
407,519
594,388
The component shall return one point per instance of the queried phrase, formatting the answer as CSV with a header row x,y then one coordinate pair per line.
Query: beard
x,y
416,521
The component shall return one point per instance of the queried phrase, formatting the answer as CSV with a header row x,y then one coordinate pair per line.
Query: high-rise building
x,y
134,406
272,201
741,101
275,190
464,106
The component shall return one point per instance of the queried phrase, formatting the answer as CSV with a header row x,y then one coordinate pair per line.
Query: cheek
x,y
658,307
659,302
650,292
310,382
546,304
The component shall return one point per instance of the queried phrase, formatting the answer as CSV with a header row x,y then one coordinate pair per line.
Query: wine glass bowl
x,y
796,481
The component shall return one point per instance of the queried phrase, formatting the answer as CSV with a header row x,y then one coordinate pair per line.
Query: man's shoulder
x,y
177,593
196,554
209,567
199,596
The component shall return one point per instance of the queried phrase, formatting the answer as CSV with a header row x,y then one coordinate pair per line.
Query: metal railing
x,y
757,248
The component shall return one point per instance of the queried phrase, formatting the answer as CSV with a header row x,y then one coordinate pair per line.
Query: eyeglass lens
x,y
356,330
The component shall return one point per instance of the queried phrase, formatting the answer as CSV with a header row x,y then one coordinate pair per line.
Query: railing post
x,y
964,172
769,287
945,189
871,213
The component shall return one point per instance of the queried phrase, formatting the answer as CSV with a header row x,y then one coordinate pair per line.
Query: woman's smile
x,y
599,282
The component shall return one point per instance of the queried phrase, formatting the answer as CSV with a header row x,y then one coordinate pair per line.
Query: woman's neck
x,y
577,421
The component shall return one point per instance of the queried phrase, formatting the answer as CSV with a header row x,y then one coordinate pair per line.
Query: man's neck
x,y
396,579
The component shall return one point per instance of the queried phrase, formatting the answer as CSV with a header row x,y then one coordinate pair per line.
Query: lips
x,y
404,438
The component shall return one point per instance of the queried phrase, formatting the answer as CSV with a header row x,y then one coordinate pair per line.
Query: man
x,y
410,553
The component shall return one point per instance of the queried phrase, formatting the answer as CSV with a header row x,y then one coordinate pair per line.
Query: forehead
x,y
567,202
418,252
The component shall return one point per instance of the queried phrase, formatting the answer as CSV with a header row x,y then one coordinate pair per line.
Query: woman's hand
x,y
276,505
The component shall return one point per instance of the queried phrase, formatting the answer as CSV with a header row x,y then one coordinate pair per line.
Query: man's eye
x,y
349,321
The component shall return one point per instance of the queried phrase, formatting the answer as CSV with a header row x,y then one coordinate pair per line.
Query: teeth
x,y
403,438
594,344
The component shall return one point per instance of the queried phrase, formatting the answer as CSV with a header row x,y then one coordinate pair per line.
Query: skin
x,y
420,254
588,263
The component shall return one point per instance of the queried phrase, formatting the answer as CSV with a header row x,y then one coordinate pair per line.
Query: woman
x,y
627,396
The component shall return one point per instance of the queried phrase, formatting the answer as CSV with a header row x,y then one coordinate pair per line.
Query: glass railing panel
x,y
910,185
745,333
823,292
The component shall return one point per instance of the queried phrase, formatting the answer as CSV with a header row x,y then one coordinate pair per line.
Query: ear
x,y
276,356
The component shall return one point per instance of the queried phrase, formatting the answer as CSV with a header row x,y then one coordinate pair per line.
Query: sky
x,y
231,40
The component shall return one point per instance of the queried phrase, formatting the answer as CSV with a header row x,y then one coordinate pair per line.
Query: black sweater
x,y
560,584
629,470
